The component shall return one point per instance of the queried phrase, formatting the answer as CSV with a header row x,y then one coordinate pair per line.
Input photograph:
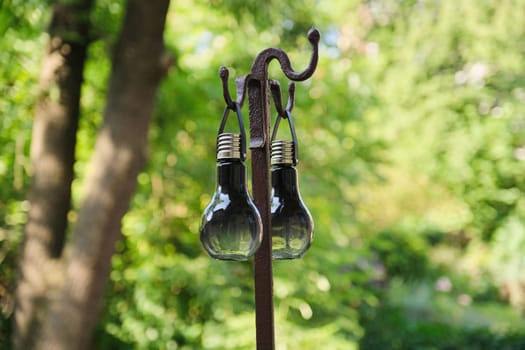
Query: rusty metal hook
x,y
240,85
224,74
262,60
275,88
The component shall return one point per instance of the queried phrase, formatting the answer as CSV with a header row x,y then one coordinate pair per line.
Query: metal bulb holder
x,y
231,227
254,87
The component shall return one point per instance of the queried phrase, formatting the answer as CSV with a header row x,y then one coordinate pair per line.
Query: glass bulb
x,y
231,227
292,224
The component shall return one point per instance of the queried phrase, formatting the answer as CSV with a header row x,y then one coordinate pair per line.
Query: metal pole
x,y
259,112
259,104
256,84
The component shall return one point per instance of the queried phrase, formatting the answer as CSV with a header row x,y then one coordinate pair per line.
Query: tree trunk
x,y
52,155
119,155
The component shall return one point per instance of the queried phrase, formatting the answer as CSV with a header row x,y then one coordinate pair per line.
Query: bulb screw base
x,y
283,153
228,146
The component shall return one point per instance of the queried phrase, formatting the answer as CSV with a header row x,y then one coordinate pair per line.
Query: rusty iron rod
x,y
259,112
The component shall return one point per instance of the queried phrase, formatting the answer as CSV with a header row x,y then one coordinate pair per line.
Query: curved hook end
x,y
314,36
224,73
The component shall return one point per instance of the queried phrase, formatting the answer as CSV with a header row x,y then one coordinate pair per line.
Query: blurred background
x,y
412,163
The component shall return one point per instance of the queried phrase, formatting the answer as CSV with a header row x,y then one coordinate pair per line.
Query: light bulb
x,y
292,224
231,227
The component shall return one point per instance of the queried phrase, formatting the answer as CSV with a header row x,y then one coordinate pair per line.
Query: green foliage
x,y
402,254
388,328
507,260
